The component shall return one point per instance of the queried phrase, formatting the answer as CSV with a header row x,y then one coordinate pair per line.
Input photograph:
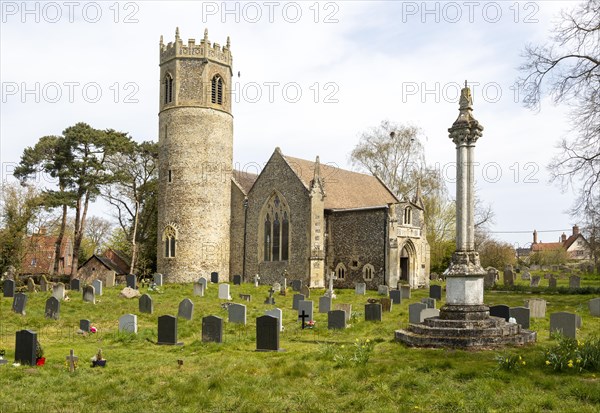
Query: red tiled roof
x,y
39,256
547,246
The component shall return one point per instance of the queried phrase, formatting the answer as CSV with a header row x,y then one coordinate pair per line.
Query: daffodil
x,y
547,362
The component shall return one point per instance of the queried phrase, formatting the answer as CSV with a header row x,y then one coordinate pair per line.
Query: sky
x,y
312,77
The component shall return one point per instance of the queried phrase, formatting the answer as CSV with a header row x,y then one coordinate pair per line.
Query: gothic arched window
x,y
267,237
168,88
368,271
340,271
276,230
169,239
408,215
217,90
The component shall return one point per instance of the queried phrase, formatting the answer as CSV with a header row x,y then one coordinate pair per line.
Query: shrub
x,y
574,355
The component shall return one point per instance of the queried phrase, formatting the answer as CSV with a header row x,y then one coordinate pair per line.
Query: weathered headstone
x,y
347,308
52,308
30,285
89,294
552,282
212,329
490,278
131,281
564,323
501,310
85,325
224,292
594,306
428,313
414,312
429,302
25,347
521,315
158,279
204,282
277,313
535,281
75,284
360,289
336,319
128,323
405,291
509,276
574,281
256,280
97,284
296,299
246,297
373,312
526,276
237,313
199,289
435,291
330,292
109,280
276,287
267,333
237,280
9,288
306,307
386,304
383,290
44,284
186,309
305,291
145,305
296,285
214,277
167,329
537,307
396,296
324,304
19,303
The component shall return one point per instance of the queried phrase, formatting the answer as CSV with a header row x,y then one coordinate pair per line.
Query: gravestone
x,y
109,280
324,304
89,294
490,278
396,296
75,284
71,360
360,289
552,282
284,286
246,297
428,313
186,309
336,319
414,312
158,279
277,313
237,313
167,329
224,292
30,285
537,307
521,315
44,284
435,291
237,280
526,276
383,290
277,288
305,291
347,308
145,304
256,280
267,333
306,307
270,300
329,292
405,291
199,289
574,281
386,304
296,285
535,281
594,306
131,281
9,288
296,299
429,302
128,323
19,303
85,325
502,311
214,277
52,308
212,329
204,282
25,347
97,284
509,276
564,323
373,312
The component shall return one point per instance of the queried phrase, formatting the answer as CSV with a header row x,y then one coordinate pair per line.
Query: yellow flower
x,y
523,363
520,358
368,341
357,340
343,346
547,362
570,363
578,361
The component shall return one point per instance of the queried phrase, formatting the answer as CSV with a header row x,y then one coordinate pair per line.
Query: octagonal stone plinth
x,y
464,290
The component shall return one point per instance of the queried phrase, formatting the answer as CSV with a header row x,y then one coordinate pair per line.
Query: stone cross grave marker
x,y
330,292
537,307
435,291
145,304
8,287
199,289
224,292
347,308
277,313
214,277
405,291
564,323
574,281
212,329
256,280
336,319
396,296
594,306
373,312
58,291
158,279
267,333
270,300
324,304
521,315
167,330
85,325
71,360
186,309
89,294
414,312
303,316
52,308
128,323
360,289
383,290
97,284
75,284
296,299
19,303
237,313
501,310
25,347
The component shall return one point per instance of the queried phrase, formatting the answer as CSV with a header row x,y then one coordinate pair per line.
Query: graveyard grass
x,y
360,369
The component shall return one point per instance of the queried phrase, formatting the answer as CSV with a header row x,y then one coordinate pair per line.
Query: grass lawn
x,y
319,371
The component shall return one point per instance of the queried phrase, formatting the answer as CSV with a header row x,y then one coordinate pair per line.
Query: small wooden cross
x,y
303,316
72,359
271,291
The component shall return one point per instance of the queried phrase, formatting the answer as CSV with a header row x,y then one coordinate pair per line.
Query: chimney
x,y
563,237
535,240
575,230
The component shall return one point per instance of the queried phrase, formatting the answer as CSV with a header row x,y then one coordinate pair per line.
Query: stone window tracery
x,y
368,271
276,230
407,216
340,271
168,88
217,90
169,239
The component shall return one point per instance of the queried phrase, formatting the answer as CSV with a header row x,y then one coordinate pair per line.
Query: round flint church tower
x,y
195,159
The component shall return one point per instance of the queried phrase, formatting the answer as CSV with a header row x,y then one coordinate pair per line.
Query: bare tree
x,y
97,231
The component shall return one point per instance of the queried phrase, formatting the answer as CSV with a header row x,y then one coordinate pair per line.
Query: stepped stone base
x,y
465,327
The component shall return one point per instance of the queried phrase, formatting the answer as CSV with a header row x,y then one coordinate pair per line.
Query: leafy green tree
x,y
497,254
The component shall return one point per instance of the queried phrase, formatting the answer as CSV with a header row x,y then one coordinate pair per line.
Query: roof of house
x,y
108,263
244,180
41,247
546,246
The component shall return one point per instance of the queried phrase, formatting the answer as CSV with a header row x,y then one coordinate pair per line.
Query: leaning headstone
x,y
373,312
167,329
509,276
537,307
267,333
109,280
25,347
131,281
237,313
383,290
502,311
30,285
564,323
85,325
204,282
405,291
44,284
212,329
336,319
521,315
186,309
429,302
429,313
296,299
128,323
324,304
158,279
414,312
396,296
199,289
277,313
360,289
9,288
594,305
97,284
19,302
89,294
435,291
75,284
214,277
224,292
237,280
306,307
347,308
535,281
52,308
305,291
386,304
574,281
552,282
145,304
296,285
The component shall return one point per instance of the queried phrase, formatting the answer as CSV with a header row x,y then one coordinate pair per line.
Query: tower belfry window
x,y
217,90
169,238
168,88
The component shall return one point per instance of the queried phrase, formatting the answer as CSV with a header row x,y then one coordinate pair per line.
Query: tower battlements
x,y
191,50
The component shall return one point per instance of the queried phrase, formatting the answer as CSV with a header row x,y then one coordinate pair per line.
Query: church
x,y
297,218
